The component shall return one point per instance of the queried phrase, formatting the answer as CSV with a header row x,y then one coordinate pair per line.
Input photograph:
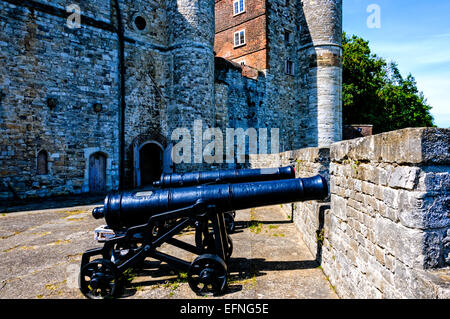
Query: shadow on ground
x,y
240,270
240,226
56,202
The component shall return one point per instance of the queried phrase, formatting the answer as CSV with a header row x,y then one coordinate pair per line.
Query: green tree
x,y
374,91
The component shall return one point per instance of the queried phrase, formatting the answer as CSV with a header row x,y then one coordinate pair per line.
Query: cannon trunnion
x,y
139,222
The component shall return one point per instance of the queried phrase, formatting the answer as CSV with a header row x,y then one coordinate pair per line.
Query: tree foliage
x,y
374,91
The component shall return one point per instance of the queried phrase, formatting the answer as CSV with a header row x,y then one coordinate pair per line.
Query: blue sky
x,y
416,35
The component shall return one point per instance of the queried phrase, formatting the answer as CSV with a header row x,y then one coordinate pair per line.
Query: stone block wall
x,y
244,97
389,213
308,216
43,60
239,99
385,230
287,93
73,93
51,76
191,31
148,77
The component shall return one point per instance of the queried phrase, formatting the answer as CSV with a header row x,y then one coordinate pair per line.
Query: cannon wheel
x,y
208,275
206,244
229,251
203,239
99,280
229,221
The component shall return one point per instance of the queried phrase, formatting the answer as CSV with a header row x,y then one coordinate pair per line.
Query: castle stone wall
x,y
61,88
239,102
385,231
148,79
286,94
244,97
191,30
96,9
50,78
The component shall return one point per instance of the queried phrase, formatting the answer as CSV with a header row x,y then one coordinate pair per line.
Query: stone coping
x,y
406,146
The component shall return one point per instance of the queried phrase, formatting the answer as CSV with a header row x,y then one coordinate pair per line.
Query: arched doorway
x,y
97,173
149,163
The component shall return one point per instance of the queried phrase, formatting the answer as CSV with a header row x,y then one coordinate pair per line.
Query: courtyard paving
x,y
40,254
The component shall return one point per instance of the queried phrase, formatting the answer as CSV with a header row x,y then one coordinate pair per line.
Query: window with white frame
x,y
239,38
238,6
289,67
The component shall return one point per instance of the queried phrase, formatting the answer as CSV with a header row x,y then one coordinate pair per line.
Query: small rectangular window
x,y
239,38
42,163
238,6
287,36
289,67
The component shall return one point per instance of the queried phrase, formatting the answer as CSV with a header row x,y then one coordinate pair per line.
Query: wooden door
x,y
97,173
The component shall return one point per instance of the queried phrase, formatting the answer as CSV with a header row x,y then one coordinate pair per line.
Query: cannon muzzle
x,y
126,209
225,176
98,212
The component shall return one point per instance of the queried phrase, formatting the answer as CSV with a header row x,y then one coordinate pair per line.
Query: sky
x,y
416,35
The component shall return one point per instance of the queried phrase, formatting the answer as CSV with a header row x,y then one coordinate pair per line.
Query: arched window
x,y
42,163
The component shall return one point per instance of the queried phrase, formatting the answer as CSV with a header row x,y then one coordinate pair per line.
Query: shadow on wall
x,y
356,131
310,78
320,232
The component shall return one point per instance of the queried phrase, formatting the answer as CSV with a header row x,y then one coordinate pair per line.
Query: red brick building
x,y
241,32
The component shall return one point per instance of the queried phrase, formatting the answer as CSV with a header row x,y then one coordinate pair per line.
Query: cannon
x,y
225,176
135,230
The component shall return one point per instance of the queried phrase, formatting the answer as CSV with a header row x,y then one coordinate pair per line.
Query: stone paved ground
x,y
40,253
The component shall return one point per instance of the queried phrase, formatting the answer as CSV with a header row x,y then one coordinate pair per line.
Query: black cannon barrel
x,y
225,176
127,209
